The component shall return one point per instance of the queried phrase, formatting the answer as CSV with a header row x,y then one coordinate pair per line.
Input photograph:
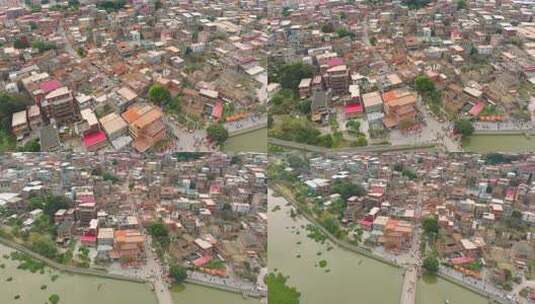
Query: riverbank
x,y
70,287
371,148
66,268
253,128
105,275
345,277
286,194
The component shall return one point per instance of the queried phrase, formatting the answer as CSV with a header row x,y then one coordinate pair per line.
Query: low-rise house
x,y
145,125
19,124
372,102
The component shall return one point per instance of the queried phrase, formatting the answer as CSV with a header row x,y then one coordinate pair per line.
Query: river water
x,y
499,143
255,141
78,289
82,289
352,278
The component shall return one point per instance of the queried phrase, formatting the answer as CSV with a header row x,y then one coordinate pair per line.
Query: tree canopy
x,y
430,225
415,4
290,74
217,133
464,127
424,85
347,189
178,273
49,203
159,94
431,264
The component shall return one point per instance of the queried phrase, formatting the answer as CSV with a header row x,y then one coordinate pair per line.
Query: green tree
x,y
431,264
43,46
160,233
424,85
304,106
464,127
21,43
409,173
290,75
111,5
110,177
31,146
415,4
174,105
461,4
43,245
217,133
343,32
353,125
178,273
327,28
297,162
347,189
285,11
159,94
49,203
81,52
430,225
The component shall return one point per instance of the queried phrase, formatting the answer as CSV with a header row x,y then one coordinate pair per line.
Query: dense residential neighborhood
x,y
190,217
267,151
357,73
465,217
131,76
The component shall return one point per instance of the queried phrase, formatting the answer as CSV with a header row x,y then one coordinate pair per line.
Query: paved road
x,y
68,44
225,283
410,278
519,287
157,276
251,122
186,141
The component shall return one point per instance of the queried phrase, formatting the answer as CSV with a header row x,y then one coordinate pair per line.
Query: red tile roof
x,y
50,85
94,138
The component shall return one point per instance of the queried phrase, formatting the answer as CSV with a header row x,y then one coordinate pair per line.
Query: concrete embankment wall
x,y
105,275
345,245
248,130
471,288
372,148
360,250
65,268
222,287
505,132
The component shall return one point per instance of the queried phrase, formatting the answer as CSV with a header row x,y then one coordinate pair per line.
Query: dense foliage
x,y
279,292
217,133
